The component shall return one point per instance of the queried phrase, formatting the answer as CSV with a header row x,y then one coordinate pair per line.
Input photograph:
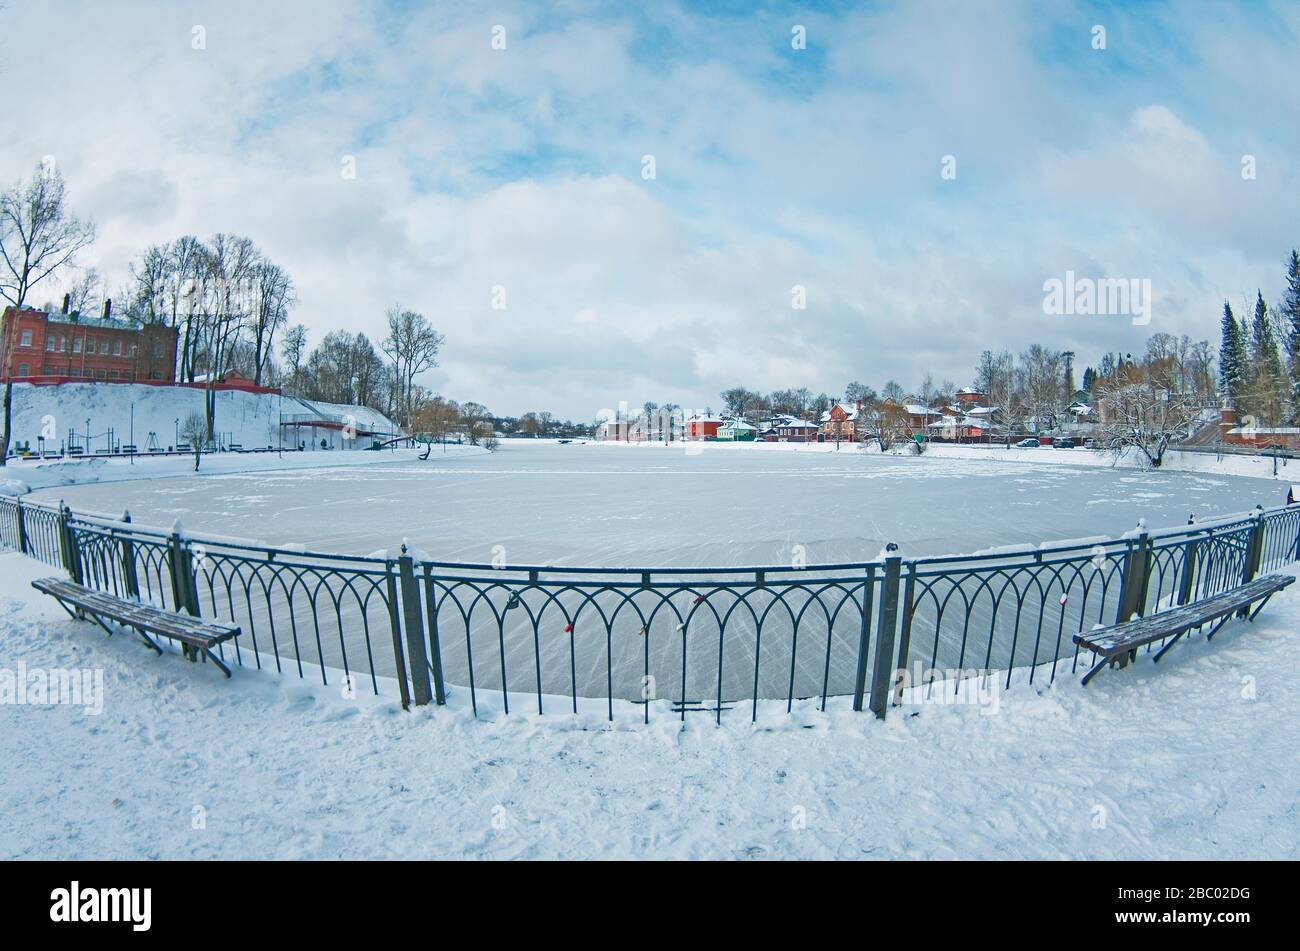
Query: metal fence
x,y
673,641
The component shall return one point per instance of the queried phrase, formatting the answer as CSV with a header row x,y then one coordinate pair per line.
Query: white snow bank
x,y
1192,759
36,474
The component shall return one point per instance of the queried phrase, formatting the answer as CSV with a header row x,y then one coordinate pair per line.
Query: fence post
x,y
1189,572
1254,554
68,544
1134,584
864,638
184,587
22,524
905,636
882,671
1255,548
435,641
414,628
129,578
395,619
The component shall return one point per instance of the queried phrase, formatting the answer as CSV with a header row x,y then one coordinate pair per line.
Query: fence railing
x,y
655,641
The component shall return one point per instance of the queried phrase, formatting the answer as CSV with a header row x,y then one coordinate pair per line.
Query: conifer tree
x,y
1268,383
1290,314
1232,358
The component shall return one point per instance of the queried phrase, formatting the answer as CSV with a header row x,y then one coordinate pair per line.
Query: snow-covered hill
x,y
151,416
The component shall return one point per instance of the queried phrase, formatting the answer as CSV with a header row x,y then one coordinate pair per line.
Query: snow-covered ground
x,y
1194,759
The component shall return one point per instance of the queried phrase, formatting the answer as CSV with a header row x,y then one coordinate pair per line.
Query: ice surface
x,y
616,507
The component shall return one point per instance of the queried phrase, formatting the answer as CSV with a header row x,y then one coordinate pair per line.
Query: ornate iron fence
x,y
662,641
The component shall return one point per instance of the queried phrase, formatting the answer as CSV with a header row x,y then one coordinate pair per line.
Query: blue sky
x,y
775,167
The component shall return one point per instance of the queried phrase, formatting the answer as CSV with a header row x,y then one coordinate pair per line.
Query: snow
x,y
26,475
1193,759
136,410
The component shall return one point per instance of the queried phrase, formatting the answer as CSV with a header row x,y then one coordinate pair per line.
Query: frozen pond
x,y
618,506
601,506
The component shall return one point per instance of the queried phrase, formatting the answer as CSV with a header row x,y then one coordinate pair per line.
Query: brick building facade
x,y
34,344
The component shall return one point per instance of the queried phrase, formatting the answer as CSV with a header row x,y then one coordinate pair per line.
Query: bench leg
x,y
216,660
148,640
1096,669
1258,609
1164,650
1217,627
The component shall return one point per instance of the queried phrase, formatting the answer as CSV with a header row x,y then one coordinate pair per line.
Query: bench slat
x,y
179,627
1141,631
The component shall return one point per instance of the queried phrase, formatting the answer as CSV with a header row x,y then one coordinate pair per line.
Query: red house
x,y
702,427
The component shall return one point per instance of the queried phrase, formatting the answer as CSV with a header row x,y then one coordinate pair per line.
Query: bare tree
x,y
293,348
881,421
38,236
412,344
194,430
86,292
272,295
1142,409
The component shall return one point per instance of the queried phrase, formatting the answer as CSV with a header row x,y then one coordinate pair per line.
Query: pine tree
x,y
1290,312
1268,384
1232,358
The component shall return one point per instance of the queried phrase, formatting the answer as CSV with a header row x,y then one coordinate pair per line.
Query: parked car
x,y
1028,443
1062,442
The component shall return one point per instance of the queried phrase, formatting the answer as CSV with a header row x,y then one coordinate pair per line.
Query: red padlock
x,y
568,629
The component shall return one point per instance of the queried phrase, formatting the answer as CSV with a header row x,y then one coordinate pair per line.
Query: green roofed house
x,y
737,430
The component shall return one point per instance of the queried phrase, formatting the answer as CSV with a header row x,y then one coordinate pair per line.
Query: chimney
x,y
108,307
67,303
857,404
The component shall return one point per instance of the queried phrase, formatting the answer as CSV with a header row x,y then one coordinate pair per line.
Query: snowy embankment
x,y
1193,759
22,476
1260,467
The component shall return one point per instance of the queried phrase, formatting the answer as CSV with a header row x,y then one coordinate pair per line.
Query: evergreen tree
x,y
1290,313
1268,383
1232,357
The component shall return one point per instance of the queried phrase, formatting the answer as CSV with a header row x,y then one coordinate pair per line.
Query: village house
x,y
703,426
840,420
737,430
790,429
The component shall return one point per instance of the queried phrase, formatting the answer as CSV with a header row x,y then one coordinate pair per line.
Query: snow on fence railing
x,y
657,641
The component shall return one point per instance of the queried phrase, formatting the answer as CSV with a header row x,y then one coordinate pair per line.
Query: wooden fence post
x,y
414,629
883,669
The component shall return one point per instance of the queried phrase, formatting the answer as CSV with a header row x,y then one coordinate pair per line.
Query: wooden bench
x,y
194,634
1121,641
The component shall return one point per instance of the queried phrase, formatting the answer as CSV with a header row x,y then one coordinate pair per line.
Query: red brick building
x,y
702,427
35,344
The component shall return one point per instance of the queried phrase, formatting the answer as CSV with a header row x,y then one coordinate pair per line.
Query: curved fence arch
x,y
645,642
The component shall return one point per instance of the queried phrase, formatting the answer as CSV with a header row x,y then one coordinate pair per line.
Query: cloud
x,y
522,168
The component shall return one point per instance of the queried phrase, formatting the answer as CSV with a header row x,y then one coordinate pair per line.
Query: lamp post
x,y
177,440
